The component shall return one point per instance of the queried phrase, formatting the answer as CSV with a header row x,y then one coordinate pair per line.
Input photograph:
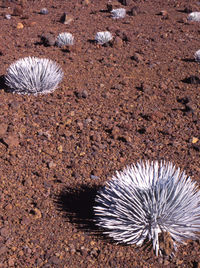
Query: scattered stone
x,y
93,177
4,232
134,11
20,25
86,2
117,43
54,260
66,19
8,16
51,164
3,129
48,39
44,11
60,148
11,140
81,94
113,5
194,140
164,14
137,57
36,213
17,11
126,2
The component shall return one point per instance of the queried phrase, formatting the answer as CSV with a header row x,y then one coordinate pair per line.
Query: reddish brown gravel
x,y
135,98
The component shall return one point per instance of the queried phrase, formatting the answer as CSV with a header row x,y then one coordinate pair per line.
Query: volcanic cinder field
x,y
135,97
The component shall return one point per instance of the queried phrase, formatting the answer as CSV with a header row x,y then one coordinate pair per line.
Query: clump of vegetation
x,y
32,75
194,16
65,39
103,37
118,13
146,201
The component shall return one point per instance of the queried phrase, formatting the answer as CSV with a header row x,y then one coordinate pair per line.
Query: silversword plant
x,y
103,37
194,16
147,200
118,13
197,56
65,39
32,75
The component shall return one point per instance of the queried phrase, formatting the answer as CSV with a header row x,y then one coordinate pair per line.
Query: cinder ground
x,y
137,98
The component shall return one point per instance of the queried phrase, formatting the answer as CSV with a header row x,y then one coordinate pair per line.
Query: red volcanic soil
x,y
134,98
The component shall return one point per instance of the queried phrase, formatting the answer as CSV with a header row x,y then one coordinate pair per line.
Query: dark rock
x,y
137,57
48,39
66,19
134,11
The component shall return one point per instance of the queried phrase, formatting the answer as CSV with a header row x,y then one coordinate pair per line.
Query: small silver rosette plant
x,y
103,37
194,16
118,13
65,39
32,75
147,200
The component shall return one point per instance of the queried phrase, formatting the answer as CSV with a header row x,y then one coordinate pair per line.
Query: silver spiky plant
x,y
197,56
194,16
118,13
65,39
32,75
148,199
103,37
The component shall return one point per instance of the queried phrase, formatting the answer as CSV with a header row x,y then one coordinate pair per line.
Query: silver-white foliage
x,y
103,37
32,75
65,39
197,56
194,16
147,199
118,13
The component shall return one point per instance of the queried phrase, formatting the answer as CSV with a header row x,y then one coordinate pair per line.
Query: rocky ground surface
x,y
135,98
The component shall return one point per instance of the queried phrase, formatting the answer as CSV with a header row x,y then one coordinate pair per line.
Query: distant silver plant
x,y
103,37
33,75
118,13
197,56
65,39
194,16
147,200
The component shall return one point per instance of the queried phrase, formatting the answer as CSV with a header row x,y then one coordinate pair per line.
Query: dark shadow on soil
x,y
188,60
77,206
191,80
3,84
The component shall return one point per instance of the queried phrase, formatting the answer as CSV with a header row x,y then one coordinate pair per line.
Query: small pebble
x,y
93,177
44,11
20,25
8,16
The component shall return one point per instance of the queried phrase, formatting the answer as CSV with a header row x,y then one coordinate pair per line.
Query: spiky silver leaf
x,y
148,199
197,56
65,39
118,13
33,75
103,37
194,16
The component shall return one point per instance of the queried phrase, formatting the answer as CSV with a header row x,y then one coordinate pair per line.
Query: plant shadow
x,y
3,85
76,205
191,80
